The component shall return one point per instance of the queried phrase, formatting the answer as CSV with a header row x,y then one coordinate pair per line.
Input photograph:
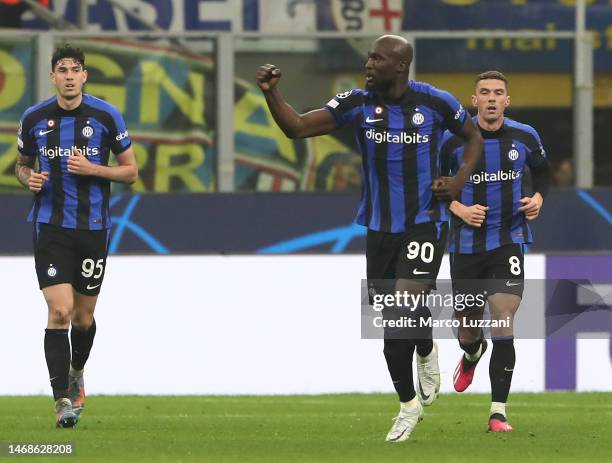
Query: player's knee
x,y
505,315
82,320
502,332
83,313
506,323
60,313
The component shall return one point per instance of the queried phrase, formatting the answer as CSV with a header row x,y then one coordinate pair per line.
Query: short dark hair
x,y
67,51
492,75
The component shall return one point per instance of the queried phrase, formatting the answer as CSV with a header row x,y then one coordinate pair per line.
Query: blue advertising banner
x,y
395,16
289,223
167,97
376,16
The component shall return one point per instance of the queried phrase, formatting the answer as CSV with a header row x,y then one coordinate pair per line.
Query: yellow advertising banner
x,y
167,97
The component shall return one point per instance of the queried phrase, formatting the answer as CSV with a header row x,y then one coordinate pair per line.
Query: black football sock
x,y
471,350
501,367
398,353
81,345
424,344
57,354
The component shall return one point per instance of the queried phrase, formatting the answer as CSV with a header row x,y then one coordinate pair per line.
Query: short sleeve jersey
x,y
399,144
497,182
49,132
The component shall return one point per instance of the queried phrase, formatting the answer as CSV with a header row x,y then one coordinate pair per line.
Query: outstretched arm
x,y
293,124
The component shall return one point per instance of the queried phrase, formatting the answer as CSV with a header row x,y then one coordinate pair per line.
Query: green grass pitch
x,y
555,427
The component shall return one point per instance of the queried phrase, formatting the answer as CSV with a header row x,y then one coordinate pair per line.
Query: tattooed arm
x,y
24,170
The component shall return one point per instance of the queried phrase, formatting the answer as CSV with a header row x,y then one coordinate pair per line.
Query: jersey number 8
x,y
89,268
515,265
425,250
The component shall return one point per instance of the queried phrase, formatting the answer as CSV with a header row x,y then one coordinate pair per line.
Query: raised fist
x,y
267,76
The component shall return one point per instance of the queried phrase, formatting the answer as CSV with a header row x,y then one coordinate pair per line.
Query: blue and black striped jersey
x,y
49,132
497,182
399,144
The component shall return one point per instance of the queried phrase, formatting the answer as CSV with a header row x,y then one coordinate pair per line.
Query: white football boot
x,y
428,373
404,423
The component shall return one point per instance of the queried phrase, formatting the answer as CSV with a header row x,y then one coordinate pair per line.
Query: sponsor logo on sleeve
x,y
459,112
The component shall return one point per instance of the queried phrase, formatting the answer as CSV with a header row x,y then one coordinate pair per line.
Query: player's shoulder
x,y
347,100
432,92
100,104
39,108
351,95
520,128
353,91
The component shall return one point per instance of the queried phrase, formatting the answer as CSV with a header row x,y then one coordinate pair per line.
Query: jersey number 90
x,y
424,250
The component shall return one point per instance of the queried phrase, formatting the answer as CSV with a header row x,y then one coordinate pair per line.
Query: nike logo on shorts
x,y
511,284
92,287
418,272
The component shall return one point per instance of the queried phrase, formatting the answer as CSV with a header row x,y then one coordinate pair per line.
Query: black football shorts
x,y
497,271
65,255
415,254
